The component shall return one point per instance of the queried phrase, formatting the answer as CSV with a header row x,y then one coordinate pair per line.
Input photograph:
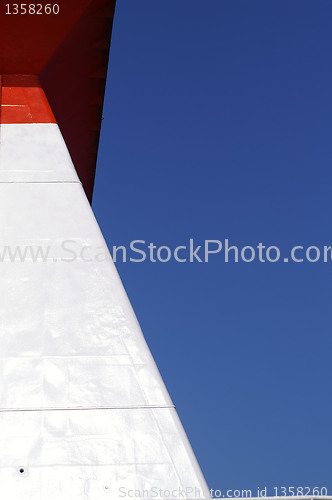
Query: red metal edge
x,y
24,101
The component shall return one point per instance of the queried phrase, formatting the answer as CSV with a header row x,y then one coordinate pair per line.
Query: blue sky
x,y
218,124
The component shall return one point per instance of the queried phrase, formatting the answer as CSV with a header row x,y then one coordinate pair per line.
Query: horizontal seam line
x,y
88,408
40,182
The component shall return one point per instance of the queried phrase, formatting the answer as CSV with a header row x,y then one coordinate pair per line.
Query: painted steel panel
x,y
23,100
83,410
87,454
34,152
76,336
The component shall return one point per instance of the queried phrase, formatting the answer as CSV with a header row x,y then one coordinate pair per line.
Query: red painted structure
x,y
66,56
23,100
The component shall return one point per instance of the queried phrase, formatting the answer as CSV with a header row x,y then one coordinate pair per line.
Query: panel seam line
x,y
41,182
87,408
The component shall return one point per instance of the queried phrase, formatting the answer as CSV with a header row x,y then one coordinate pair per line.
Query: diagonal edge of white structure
x,y
83,409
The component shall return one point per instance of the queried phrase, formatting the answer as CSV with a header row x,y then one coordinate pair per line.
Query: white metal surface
x,y
34,152
83,410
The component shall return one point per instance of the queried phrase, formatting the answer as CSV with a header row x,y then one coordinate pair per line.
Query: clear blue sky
x,y
218,124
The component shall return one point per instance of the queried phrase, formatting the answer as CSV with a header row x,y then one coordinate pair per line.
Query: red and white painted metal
x,y
83,409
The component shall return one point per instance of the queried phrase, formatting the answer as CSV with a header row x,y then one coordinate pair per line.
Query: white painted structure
x,y
84,413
